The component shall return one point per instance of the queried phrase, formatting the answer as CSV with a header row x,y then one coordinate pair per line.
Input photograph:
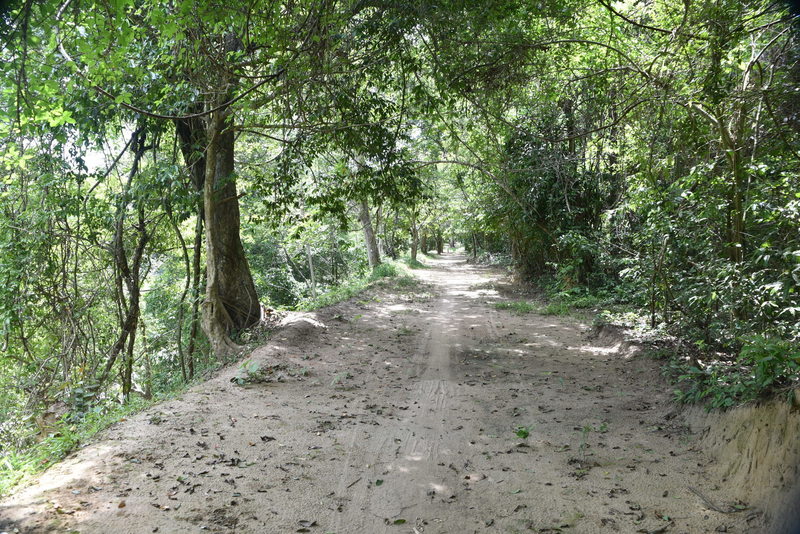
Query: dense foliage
x,y
169,169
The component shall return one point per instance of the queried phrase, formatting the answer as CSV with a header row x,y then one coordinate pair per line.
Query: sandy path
x,y
406,422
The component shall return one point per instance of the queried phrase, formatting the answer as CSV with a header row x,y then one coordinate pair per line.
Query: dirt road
x,y
411,409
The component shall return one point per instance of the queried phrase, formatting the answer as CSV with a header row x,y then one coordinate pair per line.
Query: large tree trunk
x,y
373,255
231,301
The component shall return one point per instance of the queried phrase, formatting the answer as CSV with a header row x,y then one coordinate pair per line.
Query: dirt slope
x,y
399,414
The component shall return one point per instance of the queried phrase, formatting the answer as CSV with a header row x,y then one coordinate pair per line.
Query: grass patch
x,y
556,308
385,270
412,263
390,270
343,292
406,282
520,307
560,302
19,462
19,466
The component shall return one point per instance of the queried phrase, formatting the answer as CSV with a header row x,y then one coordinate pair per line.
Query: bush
x,y
775,363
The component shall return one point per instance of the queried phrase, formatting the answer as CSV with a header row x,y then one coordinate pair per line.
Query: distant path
x,y
412,418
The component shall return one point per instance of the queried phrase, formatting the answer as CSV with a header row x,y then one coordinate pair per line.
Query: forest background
x,y
172,171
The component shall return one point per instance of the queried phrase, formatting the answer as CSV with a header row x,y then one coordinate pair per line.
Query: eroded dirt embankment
x,y
410,410
755,452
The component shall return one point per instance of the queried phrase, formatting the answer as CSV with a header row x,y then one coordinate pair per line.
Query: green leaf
x,y
125,97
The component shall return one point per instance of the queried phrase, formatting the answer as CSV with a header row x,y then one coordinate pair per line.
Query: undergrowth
x,y
495,259
74,430
764,367
17,466
579,297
